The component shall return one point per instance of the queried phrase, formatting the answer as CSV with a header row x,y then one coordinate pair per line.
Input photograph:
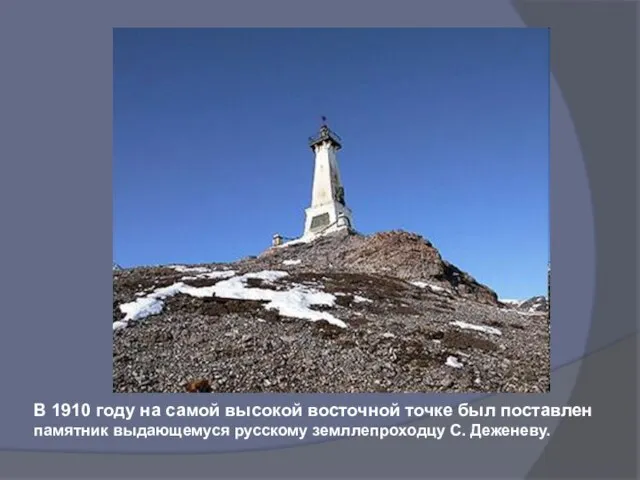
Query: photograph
x,y
331,210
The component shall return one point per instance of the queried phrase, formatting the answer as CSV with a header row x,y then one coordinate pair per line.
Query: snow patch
x,y
297,241
479,328
143,307
453,362
266,275
510,301
185,269
304,239
359,299
295,302
212,275
533,313
431,286
292,262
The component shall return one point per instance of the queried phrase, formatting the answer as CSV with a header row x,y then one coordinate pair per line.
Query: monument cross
x,y
328,211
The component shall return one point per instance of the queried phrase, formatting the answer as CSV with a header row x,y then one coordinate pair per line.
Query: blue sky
x,y
445,134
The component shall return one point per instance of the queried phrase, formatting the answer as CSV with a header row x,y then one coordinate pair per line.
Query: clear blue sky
x,y
445,134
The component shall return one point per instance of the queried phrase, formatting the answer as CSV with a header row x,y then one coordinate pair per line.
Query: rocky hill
x,y
399,254
344,313
536,304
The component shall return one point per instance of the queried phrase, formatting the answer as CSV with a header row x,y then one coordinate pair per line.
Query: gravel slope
x,y
399,336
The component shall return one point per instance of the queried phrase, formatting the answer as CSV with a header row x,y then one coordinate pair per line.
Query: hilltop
x,y
343,313
531,305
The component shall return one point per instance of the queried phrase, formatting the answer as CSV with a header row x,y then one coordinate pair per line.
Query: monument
x,y
328,211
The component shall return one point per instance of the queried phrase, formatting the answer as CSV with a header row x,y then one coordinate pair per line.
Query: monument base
x,y
326,218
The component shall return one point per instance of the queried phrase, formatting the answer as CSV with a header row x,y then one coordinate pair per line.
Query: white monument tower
x,y
328,211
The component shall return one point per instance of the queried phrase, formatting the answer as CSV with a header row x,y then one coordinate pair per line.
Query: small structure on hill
x,y
277,240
